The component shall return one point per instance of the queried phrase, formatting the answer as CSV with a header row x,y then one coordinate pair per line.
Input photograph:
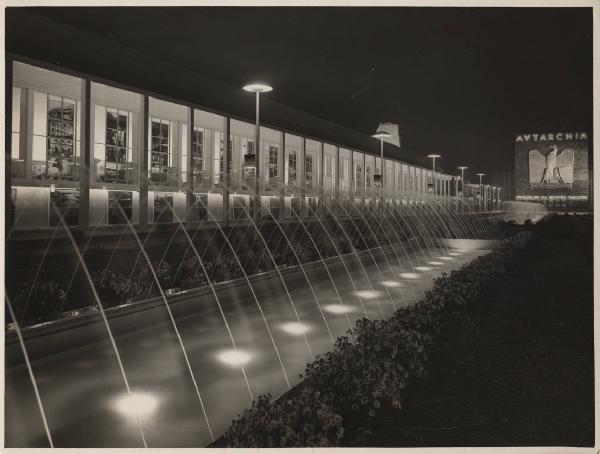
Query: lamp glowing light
x,y
338,308
258,87
136,404
295,328
392,284
423,268
368,294
234,357
381,134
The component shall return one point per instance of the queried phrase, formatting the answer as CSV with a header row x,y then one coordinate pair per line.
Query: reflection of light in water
x,y
392,284
445,258
423,268
436,263
295,328
135,403
147,343
368,294
409,275
233,357
85,364
454,253
338,308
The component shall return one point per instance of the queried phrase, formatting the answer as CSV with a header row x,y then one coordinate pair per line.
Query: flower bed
x,y
370,367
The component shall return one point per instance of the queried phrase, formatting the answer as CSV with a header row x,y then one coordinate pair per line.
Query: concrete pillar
x,y
189,187
227,171
144,146
281,170
321,210
303,209
8,208
85,157
336,189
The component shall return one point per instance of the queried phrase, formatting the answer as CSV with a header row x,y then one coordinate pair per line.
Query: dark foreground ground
x,y
519,370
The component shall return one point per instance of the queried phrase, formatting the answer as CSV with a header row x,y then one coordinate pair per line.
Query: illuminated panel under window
x,y
120,207
64,206
238,207
163,208
200,208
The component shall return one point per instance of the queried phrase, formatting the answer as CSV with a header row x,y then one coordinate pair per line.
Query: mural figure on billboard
x,y
554,169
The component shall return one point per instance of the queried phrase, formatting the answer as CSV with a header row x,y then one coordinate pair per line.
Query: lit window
x,y
358,177
160,152
60,163
292,166
218,159
116,152
308,171
273,170
249,163
198,156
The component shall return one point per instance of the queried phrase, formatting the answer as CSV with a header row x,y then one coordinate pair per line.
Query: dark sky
x,y
458,81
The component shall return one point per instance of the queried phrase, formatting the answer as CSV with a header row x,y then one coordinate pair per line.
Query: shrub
x,y
303,421
369,368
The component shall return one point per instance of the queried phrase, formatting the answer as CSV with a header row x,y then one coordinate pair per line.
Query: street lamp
x,y
480,175
381,134
258,88
434,157
499,189
462,180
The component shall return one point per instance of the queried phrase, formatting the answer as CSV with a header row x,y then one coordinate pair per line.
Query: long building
x,y
91,151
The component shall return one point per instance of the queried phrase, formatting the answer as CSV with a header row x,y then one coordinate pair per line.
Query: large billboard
x,y
552,168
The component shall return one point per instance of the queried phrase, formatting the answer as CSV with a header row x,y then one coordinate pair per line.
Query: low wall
x,y
88,327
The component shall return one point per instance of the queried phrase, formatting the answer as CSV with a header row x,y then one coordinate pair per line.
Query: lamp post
x,y
462,180
381,134
480,175
433,158
257,88
499,189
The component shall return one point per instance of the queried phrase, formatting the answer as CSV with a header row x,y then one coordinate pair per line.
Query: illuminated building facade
x,y
95,155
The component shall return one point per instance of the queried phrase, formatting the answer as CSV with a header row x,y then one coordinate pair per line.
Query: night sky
x,y
459,81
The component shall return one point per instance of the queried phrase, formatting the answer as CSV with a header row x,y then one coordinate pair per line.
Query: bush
x,y
369,368
303,421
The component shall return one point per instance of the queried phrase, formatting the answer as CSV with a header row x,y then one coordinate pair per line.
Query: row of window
x,y
46,133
